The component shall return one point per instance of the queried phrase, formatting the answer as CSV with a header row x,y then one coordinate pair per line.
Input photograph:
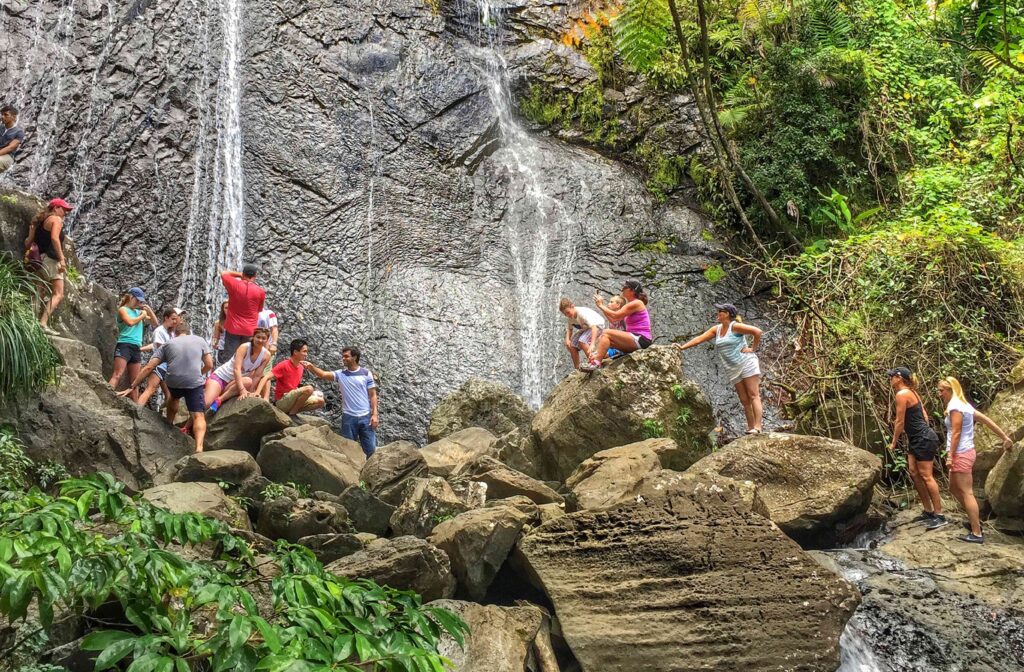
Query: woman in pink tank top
x,y
637,320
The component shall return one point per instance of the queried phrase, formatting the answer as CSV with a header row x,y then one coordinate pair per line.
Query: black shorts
x,y
924,451
129,352
194,398
643,342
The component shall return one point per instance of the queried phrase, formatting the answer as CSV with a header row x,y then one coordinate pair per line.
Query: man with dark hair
x,y
11,136
358,397
161,335
288,396
245,301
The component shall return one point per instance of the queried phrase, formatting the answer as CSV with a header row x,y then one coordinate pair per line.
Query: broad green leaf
x,y
239,631
113,652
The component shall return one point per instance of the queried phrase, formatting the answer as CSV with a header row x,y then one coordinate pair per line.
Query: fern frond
x,y
642,31
828,24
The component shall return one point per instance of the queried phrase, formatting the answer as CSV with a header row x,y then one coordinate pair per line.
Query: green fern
x,y
828,24
642,31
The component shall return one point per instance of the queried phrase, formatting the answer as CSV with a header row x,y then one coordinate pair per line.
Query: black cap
x,y
727,307
633,285
901,371
250,270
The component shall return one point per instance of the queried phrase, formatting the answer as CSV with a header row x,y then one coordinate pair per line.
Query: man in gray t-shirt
x,y
189,358
11,136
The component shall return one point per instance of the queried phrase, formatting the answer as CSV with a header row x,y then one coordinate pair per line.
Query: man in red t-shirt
x,y
245,301
288,396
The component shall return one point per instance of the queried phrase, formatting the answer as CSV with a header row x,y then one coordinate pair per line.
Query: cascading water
x,y
534,220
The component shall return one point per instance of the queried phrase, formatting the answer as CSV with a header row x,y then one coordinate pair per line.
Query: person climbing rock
x,y
245,301
636,319
161,335
217,335
286,375
736,359
241,374
189,358
358,397
584,327
961,419
922,445
44,251
132,314
11,137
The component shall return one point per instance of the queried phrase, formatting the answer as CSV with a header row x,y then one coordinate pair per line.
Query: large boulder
x,y
217,466
693,580
809,485
477,543
368,512
406,563
1005,489
502,481
293,519
445,454
638,397
320,433
614,475
242,423
331,547
387,469
204,498
77,354
500,639
83,425
479,403
427,502
310,457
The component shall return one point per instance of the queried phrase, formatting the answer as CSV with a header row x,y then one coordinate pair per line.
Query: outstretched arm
x,y
990,423
143,374
318,372
703,338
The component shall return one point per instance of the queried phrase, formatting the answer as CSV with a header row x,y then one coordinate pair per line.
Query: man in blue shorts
x,y
358,399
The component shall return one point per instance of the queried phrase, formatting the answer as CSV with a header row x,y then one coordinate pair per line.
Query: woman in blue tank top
x,y
132,314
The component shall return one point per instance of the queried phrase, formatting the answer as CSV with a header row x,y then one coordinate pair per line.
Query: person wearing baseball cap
x,y
245,302
44,252
737,359
132,314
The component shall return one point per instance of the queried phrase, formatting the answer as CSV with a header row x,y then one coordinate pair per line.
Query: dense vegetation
x,y
870,156
29,360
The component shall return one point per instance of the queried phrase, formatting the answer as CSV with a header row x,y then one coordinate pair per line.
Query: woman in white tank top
x,y
241,374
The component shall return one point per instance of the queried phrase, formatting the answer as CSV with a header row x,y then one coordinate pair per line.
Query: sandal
x,y
753,431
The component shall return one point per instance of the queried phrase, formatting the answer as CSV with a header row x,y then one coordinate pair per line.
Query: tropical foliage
x,y
29,360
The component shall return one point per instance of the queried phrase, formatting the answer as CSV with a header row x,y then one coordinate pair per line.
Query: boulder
x,y
1005,489
387,469
666,483
323,436
519,450
445,454
242,423
226,466
83,425
293,519
500,639
477,543
204,498
472,493
331,547
613,475
368,512
691,581
406,563
308,457
77,355
638,397
479,403
503,481
1007,411
427,502
808,484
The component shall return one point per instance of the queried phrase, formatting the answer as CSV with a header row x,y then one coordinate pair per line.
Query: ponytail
x,y
914,381
125,298
958,391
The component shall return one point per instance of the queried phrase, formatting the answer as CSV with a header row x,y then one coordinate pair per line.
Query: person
x,y
245,301
217,337
961,419
614,304
267,319
922,445
358,397
241,374
11,137
636,319
161,335
583,329
132,314
46,236
737,360
288,396
189,358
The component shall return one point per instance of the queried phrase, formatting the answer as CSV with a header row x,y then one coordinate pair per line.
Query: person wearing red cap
x,y
45,246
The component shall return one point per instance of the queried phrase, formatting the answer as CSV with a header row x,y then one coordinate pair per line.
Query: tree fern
x,y
642,31
828,24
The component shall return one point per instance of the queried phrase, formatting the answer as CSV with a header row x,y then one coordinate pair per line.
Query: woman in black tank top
x,y
922,445
46,232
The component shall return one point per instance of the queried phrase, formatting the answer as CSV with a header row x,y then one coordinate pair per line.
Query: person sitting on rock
x,y
582,331
286,375
737,359
358,396
189,358
11,137
132,314
241,374
922,444
961,419
161,335
217,335
615,303
636,319
44,245
245,301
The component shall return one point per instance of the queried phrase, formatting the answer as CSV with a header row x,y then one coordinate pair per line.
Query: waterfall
x,y
534,219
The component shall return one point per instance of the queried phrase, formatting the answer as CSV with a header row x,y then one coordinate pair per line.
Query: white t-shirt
x,y
267,319
587,317
966,426
160,337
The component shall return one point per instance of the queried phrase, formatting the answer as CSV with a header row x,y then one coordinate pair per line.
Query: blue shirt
x,y
355,389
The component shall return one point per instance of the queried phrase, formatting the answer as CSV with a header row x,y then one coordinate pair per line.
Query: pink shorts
x,y
963,463
214,377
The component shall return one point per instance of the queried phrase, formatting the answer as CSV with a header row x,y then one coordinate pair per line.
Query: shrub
x,y
29,359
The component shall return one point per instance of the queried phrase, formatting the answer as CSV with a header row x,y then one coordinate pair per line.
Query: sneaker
x,y
938,521
972,538
923,517
215,405
590,366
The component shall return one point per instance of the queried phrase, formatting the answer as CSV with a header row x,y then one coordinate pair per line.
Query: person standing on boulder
x,y
961,419
922,445
189,358
289,398
737,359
11,137
45,247
358,396
582,331
245,301
132,313
635,317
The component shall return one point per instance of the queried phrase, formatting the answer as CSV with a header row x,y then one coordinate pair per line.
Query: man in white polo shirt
x,y
358,399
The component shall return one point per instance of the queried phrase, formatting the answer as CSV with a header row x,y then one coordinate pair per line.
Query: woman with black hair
x,y
637,320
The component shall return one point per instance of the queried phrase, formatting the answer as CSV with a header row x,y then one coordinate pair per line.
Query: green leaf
x,y
364,649
113,652
268,633
239,631
146,663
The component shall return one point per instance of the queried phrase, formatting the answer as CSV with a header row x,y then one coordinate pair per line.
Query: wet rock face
x,y
380,198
